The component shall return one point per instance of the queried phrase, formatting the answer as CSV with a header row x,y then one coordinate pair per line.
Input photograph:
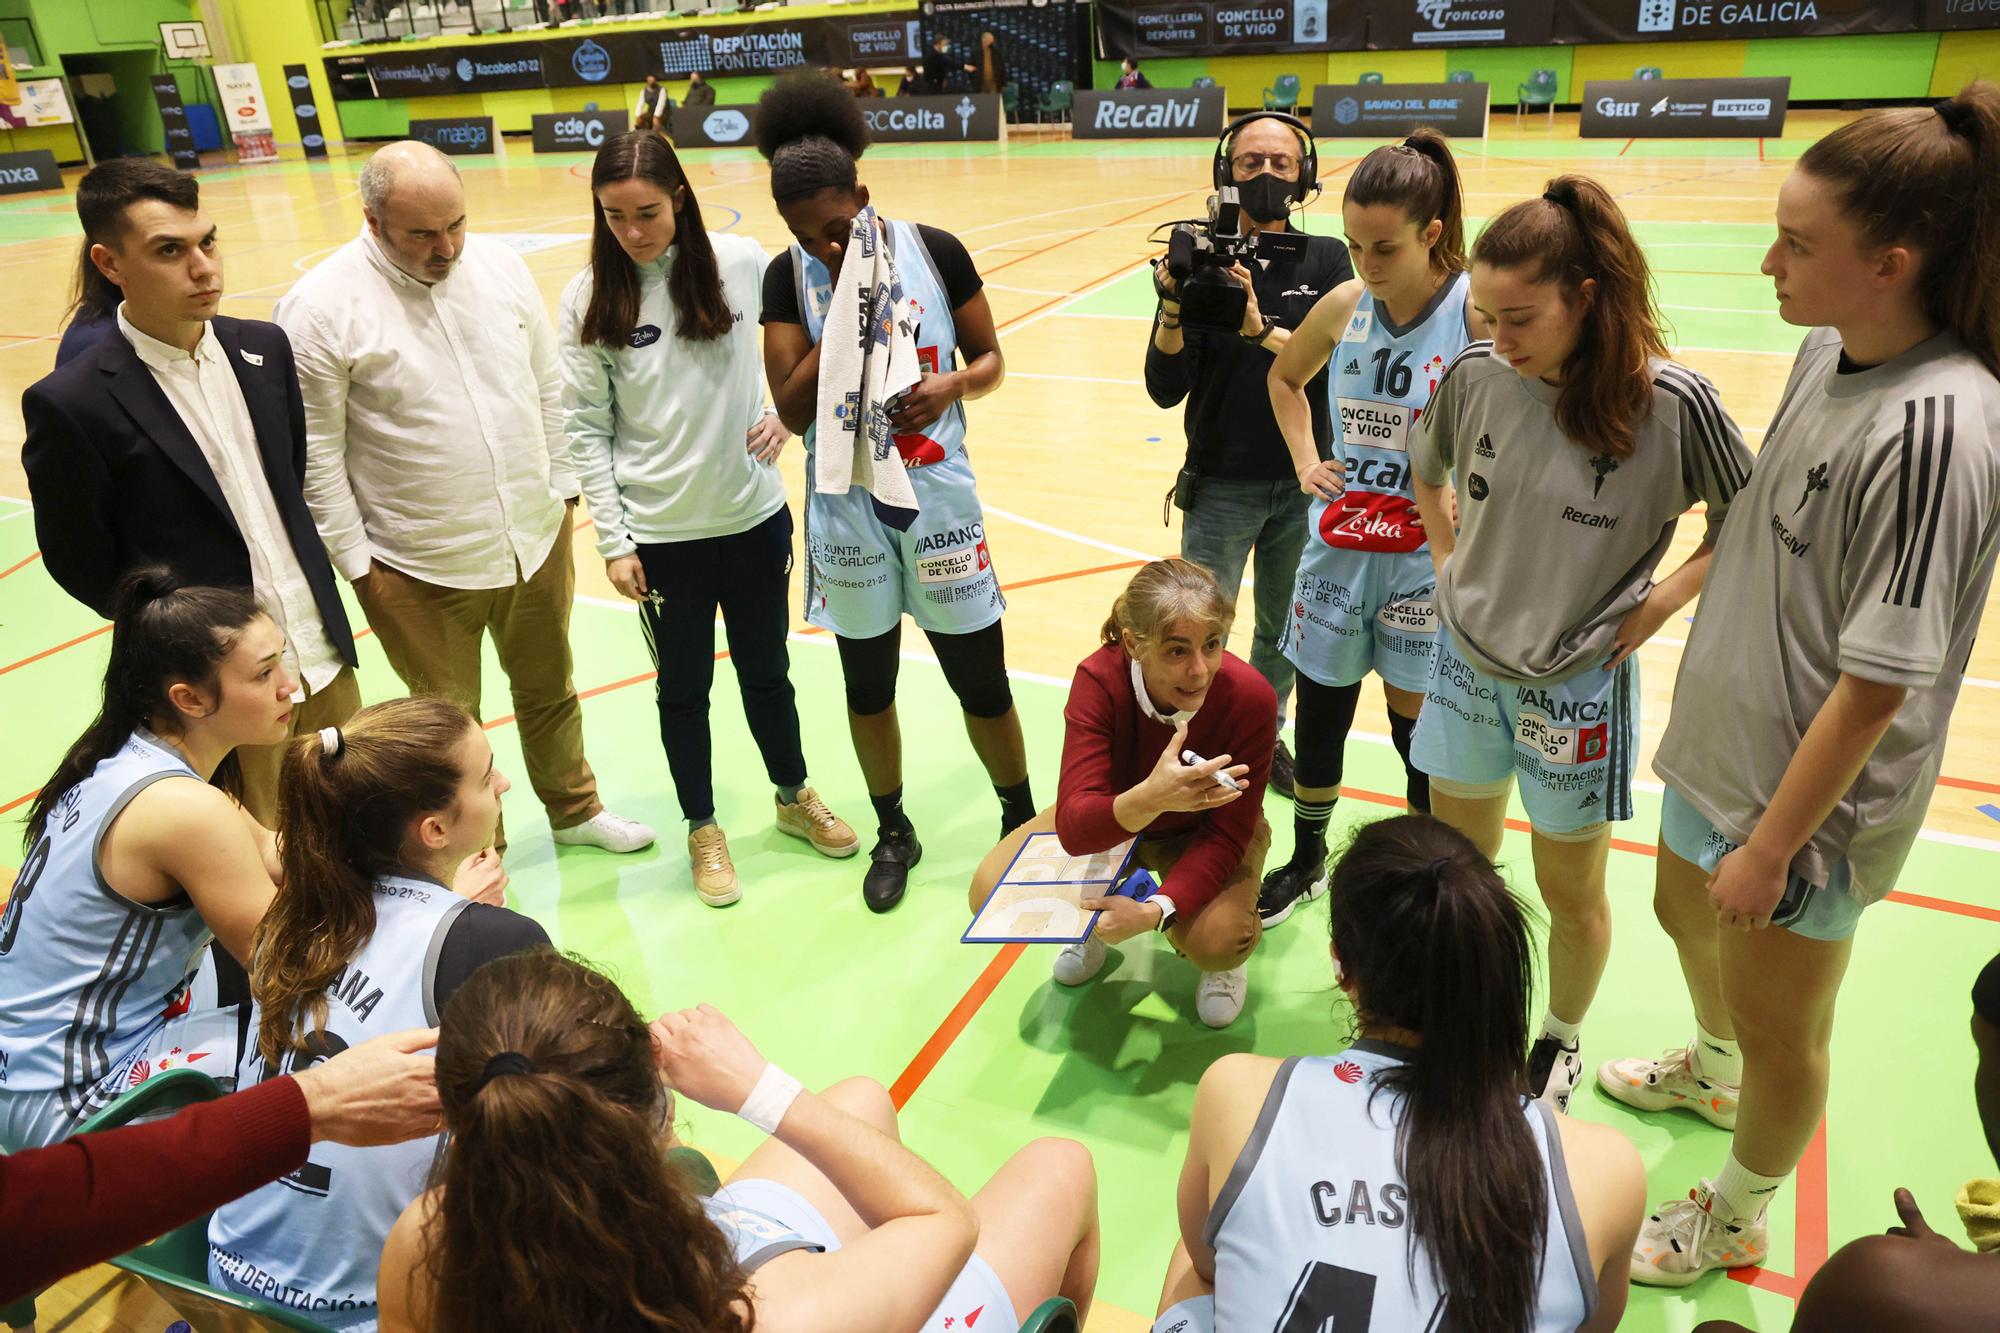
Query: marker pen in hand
x,y
1222,779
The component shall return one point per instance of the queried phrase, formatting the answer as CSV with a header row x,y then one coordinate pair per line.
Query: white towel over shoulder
x,y
867,355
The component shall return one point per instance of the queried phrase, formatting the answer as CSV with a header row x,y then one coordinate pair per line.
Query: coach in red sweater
x,y
1161,684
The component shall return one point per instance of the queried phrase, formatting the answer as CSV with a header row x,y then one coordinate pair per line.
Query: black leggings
x,y
1319,742
975,666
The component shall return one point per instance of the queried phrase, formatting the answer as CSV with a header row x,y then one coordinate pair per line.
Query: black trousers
x,y
747,575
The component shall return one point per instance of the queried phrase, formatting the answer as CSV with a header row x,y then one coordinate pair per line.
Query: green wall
x,y
114,28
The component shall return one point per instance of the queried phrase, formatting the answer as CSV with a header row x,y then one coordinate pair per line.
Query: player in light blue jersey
x,y
1405,1182
555,1207
1362,600
134,862
864,573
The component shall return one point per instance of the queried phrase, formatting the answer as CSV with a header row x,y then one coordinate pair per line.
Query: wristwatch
x,y
1263,333
1166,906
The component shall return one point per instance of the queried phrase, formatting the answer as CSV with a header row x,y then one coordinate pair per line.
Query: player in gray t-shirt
x,y
1809,719
1576,446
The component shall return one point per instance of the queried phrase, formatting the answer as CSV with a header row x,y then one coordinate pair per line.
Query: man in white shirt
x,y
437,468
182,442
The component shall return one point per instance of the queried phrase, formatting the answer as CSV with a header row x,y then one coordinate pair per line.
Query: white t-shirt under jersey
x,y
1558,541
1863,546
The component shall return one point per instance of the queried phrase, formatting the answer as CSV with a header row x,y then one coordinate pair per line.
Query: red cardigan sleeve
x,y
91,1197
1087,788
1250,737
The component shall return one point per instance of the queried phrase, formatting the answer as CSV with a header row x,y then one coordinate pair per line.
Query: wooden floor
x,y
1072,457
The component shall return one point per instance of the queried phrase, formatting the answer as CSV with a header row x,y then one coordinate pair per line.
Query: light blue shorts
x,y
1194,1315
862,574
977,1302
1570,746
1354,612
1817,911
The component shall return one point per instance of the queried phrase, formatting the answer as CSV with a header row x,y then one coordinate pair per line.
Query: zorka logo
x,y
1815,481
1604,465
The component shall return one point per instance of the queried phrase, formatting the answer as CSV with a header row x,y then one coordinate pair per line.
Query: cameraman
x,y
1238,489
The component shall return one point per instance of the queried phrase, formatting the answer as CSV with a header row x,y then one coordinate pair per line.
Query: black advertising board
x,y
1149,113
893,40
22,172
951,118
488,67
1579,21
312,136
1684,108
578,131
457,135
1225,27
174,123
1945,14
1392,110
1404,24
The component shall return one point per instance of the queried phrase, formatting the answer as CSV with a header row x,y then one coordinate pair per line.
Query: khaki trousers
x,y
330,707
432,636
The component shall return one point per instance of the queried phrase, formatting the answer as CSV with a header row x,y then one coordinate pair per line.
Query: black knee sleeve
x,y
1417,787
975,666
868,666
1319,733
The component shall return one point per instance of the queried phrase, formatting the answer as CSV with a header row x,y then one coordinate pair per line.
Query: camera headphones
x,y
1308,160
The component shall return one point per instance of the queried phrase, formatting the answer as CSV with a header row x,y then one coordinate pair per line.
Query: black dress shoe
x,y
889,868
1281,770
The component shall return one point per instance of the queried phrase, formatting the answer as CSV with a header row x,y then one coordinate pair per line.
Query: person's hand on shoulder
x,y
382,1091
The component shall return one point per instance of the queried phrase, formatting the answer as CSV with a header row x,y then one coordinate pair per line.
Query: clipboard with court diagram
x,y
1039,897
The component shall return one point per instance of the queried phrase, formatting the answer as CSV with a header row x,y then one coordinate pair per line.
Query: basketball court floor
x,y
982,1050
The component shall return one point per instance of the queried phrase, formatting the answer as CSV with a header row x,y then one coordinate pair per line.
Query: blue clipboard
x,y
1124,882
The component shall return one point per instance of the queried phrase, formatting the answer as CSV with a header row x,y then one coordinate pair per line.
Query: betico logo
x,y
1170,114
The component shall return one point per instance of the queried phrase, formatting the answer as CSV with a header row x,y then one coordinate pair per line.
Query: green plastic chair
x,y
1060,97
1203,81
159,1094
1054,1315
1010,98
1648,72
1371,77
1461,76
1539,90
1284,97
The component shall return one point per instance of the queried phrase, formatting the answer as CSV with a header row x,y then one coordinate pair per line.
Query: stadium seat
x,y
1539,90
158,1095
1648,72
1058,100
1284,97
1054,1315
1461,76
1372,76
1010,98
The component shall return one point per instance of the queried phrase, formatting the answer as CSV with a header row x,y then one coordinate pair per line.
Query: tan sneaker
x,y
714,872
811,820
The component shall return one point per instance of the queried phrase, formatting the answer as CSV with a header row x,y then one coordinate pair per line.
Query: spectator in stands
x,y
912,84
90,1197
651,113
863,84
700,91
364,937
989,72
1130,77
553,1194
1405,1178
939,65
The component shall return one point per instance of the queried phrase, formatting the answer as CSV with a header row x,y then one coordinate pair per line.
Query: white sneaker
x,y
1219,997
1553,1071
608,831
1686,1238
1670,1083
1078,963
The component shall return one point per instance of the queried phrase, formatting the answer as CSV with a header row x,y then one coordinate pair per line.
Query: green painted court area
x,y
829,990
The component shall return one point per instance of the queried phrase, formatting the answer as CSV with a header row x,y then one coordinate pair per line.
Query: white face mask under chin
x,y
1146,701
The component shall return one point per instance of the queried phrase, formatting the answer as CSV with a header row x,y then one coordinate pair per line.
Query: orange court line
x,y
20,564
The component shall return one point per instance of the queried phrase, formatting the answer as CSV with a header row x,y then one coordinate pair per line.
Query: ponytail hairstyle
x,y
1160,594
345,813
1930,177
1432,941
1572,233
1420,177
92,296
554,1193
163,633
700,312
812,131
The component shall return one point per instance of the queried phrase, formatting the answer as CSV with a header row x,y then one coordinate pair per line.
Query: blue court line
x,y
1990,811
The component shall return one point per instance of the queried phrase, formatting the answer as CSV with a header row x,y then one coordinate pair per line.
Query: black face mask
x,y
1266,197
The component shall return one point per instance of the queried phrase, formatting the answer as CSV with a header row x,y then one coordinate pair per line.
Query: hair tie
x,y
1957,117
1550,195
507,1062
329,740
1437,867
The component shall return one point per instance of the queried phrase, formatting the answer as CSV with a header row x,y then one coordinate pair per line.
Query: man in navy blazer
x,y
180,440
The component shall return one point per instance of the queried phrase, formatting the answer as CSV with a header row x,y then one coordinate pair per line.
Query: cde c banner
x,y
578,131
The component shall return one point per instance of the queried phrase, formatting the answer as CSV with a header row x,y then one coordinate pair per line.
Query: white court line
x,y
1077,537
10,500
1070,379
1725,310
1084,314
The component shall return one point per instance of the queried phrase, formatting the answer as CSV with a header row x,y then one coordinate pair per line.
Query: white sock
x,y
1566,1034
1717,1058
1745,1193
